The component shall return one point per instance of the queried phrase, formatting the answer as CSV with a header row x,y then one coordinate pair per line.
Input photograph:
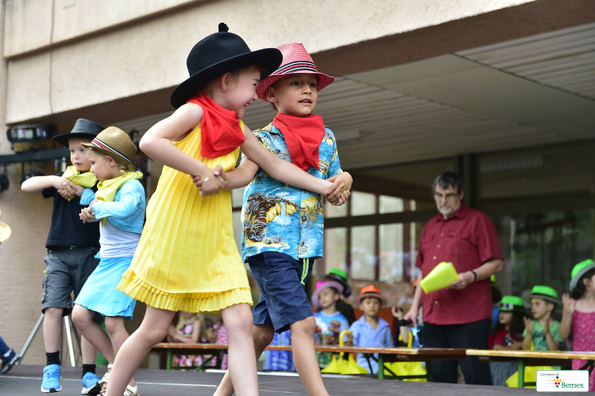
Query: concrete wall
x,y
116,54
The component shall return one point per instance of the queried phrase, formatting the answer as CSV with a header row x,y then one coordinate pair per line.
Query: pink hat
x,y
296,60
320,286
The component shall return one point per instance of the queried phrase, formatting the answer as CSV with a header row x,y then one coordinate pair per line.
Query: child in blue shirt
x,y
330,323
371,330
283,225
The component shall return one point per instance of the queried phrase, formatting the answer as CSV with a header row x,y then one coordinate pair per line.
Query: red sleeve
x,y
488,245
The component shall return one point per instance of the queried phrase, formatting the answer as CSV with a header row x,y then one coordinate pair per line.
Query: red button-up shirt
x,y
467,239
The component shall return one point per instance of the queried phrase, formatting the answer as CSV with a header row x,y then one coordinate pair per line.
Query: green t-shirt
x,y
538,335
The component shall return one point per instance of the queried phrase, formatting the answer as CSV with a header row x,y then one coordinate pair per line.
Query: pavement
x,y
25,380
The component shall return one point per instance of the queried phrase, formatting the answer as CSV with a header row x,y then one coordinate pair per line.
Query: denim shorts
x,y
67,269
283,298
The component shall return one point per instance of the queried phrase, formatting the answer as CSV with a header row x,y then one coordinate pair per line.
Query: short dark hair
x,y
447,179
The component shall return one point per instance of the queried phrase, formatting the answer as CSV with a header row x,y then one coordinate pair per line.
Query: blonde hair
x,y
124,167
209,89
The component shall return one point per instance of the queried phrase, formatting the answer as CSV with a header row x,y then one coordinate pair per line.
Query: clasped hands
x,y
337,194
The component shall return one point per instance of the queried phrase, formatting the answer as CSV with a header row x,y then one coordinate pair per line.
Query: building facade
x,y
501,91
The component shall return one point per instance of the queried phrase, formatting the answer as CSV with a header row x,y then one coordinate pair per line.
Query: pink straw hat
x,y
296,60
320,286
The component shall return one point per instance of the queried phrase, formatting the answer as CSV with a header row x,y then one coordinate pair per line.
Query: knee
x,y
112,326
263,335
305,326
53,313
79,316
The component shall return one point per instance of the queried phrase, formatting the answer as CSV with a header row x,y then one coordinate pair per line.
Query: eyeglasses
x,y
449,196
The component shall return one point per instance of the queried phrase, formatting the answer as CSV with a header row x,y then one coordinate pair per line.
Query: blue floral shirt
x,y
281,218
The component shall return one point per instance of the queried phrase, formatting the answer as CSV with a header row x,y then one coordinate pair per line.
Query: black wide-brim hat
x,y
82,129
217,54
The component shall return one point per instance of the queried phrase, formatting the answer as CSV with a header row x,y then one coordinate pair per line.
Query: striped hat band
x,y
296,67
98,143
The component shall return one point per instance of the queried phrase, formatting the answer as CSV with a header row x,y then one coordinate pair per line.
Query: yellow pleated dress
x,y
187,258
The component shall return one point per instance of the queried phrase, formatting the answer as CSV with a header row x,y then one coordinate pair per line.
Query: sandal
x,y
131,390
104,379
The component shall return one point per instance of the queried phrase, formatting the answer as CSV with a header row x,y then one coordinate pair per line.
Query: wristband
x,y
474,276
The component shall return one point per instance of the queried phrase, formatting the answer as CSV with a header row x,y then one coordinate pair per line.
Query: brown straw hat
x,y
114,142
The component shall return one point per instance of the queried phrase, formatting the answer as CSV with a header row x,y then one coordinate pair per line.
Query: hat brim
x,y
261,89
63,137
268,59
327,284
346,286
546,298
358,299
579,275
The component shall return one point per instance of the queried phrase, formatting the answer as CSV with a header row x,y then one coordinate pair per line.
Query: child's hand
x,y
568,304
528,325
338,192
87,215
397,312
66,188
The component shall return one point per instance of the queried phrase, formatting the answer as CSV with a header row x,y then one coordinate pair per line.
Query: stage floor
x,y
25,380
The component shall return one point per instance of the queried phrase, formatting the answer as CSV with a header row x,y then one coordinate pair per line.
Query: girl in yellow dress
x,y
187,258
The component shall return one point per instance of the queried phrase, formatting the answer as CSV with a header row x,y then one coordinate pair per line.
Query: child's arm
x,y
529,333
131,197
242,175
40,183
285,171
158,143
552,344
567,313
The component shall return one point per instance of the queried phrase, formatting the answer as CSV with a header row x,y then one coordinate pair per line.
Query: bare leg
x,y
304,356
52,329
118,334
263,335
242,358
151,331
91,331
88,351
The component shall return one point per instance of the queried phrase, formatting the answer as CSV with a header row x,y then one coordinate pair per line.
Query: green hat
x,y
579,270
512,303
546,293
340,276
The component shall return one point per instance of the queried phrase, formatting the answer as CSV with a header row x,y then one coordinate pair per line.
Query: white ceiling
x,y
532,91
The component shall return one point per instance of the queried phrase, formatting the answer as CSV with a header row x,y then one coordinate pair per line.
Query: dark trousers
x,y
472,335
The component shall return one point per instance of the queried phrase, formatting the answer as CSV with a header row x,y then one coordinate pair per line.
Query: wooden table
x,y
384,354
533,358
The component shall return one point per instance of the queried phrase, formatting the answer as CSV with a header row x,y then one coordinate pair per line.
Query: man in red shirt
x,y
460,315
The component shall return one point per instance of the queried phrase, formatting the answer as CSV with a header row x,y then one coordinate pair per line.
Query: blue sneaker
x,y
7,363
91,385
51,378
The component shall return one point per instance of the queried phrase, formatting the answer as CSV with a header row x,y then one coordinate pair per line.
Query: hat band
x,y
296,67
510,306
98,143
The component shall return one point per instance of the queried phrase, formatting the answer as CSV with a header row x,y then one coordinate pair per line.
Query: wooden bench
x,y
533,358
384,354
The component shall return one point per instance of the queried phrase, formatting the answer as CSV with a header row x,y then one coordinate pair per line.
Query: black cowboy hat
x,y
217,54
82,129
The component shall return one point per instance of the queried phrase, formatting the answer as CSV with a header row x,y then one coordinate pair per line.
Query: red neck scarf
x,y
220,130
303,136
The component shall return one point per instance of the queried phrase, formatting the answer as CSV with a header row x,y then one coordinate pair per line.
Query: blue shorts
x,y
283,298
